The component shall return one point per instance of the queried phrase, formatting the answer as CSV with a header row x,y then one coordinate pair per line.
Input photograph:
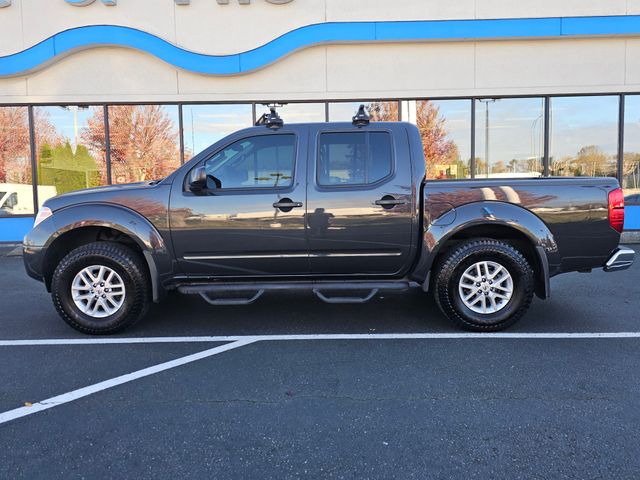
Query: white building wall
x,y
435,69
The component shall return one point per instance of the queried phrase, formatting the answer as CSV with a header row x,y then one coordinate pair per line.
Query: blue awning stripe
x,y
69,41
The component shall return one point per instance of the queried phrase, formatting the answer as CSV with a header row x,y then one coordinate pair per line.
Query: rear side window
x,y
354,158
265,161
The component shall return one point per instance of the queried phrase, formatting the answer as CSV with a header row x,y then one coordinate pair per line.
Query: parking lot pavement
x,y
433,407
596,302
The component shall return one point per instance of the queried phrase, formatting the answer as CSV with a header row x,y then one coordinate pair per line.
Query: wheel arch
x,y
490,219
86,223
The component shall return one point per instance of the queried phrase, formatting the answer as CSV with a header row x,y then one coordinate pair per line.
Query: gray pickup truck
x,y
339,209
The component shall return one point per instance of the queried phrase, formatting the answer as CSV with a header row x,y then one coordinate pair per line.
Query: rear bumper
x,y
621,259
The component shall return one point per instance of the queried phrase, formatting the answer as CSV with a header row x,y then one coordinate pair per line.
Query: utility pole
x,y
486,102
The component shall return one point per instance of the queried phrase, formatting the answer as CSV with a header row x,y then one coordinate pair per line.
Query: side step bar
x,y
327,291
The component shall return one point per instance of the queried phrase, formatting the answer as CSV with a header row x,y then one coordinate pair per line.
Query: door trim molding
x,y
291,255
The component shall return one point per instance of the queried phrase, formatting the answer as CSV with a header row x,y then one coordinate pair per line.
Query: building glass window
x,y
379,111
509,137
297,112
631,166
354,158
264,161
204,125
584,136
445,129
16,191
144,140
70,149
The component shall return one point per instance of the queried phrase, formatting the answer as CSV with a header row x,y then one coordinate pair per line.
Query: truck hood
x,y
97,194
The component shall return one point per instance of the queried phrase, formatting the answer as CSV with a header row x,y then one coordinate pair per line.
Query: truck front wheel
x,y
101,288
484,285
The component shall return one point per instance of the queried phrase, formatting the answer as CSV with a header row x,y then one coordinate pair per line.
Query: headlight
x,y
43,214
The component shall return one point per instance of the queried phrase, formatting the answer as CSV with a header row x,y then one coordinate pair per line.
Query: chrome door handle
x,y
286,204
389,202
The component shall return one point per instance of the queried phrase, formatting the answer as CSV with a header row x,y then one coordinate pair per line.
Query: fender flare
x,y
129,222
436,233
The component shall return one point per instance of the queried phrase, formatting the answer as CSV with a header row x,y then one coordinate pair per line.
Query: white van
x,y
17,199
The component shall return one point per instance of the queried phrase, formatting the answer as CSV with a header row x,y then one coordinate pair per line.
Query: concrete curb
x,y
630,237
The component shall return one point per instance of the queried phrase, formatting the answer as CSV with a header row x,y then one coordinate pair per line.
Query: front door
x,y
249,221
360,201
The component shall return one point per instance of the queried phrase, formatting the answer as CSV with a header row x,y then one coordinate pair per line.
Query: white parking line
x,y
240,341
331,336
129,377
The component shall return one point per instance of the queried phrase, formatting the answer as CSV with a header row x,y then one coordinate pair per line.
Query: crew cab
x,y
340,209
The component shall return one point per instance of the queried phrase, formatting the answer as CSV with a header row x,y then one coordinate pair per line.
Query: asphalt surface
x,y
419,408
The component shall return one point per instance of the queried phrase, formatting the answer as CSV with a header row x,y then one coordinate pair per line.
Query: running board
x,y
340,299
248,293
231,301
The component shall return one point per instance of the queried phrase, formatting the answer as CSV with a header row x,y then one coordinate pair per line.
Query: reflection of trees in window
x,y
382,111
584,135
65,166
15,151
67,170
590,161
631,157
143,141
379,111
631,173
441,154
15,160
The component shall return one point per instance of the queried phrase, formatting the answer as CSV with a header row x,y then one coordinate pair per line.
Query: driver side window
x,y
264,161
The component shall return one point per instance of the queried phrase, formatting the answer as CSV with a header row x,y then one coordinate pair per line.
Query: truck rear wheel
x,y
101,288
484,285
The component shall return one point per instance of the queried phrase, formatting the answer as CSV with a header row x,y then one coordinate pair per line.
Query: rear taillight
x,y
616,209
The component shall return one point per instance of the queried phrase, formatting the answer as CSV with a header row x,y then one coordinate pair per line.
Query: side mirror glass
x,y
198,179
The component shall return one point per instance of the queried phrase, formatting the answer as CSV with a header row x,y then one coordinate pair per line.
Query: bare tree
x,y
592,161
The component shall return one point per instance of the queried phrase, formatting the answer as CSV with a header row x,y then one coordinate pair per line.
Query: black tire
x,y
458,260
126,263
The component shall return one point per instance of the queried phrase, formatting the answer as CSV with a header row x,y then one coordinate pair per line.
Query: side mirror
x,y
198,179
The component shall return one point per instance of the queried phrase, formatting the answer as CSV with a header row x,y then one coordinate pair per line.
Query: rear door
x,y
250,221
360,201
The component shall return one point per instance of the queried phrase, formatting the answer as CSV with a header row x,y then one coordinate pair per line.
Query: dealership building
x,y
98,92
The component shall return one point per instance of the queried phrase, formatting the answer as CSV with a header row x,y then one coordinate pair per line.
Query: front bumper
x,y
33,262
621,259
34,248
